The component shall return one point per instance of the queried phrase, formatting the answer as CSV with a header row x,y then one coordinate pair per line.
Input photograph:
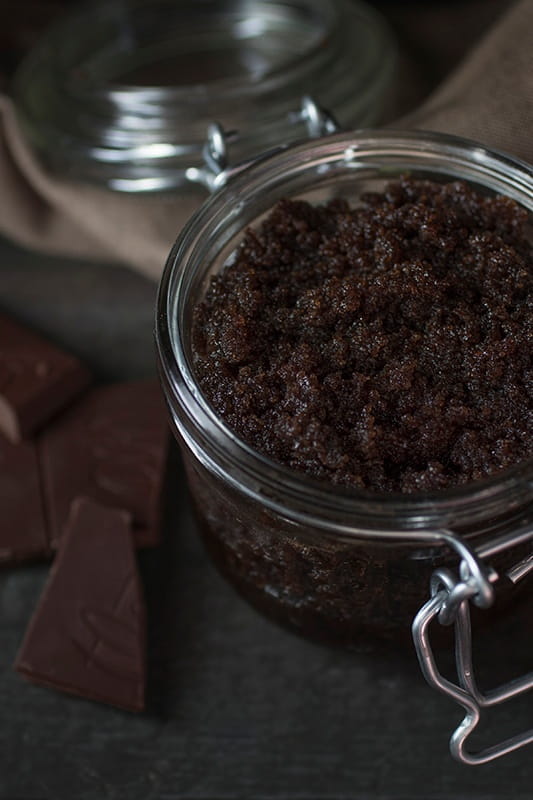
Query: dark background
x,y
237,708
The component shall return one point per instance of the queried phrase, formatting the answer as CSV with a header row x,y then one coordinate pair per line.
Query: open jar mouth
x,y
346,165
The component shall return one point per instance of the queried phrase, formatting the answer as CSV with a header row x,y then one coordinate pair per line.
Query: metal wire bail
x,y
450,598
217,168
319,121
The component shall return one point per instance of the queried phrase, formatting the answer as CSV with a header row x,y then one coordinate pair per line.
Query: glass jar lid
x,y
121,93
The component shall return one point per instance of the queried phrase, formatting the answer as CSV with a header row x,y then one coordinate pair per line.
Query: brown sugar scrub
x,y
385,346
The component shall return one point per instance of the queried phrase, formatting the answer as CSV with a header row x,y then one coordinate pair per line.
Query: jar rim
x,y
280,487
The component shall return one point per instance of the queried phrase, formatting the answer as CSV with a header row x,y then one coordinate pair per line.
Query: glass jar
x,y
121,92
329,562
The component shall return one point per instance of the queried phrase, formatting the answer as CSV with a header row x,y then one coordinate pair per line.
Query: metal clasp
x,y
217,169
450,599
318,120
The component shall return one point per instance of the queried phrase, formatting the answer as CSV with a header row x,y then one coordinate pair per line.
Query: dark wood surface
x,y
238,708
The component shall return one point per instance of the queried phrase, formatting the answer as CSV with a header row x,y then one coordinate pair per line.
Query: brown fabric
x,y
46,213
489,97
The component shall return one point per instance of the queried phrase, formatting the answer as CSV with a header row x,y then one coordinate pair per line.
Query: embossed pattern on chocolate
x,y
110,446
87,636
37,380
386,346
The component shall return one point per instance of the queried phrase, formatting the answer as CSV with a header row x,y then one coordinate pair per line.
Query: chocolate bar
x,y
37,380
87,635
22,522
111,446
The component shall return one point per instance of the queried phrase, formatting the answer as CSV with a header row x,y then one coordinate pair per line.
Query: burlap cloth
x,y
488,97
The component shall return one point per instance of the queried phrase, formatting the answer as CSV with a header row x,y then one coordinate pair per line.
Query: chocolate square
x,y
110,446
37,380
88,633
23,532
